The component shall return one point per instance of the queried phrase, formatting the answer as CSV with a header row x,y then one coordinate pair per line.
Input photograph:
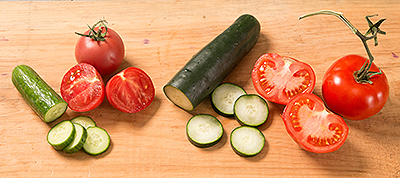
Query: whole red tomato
x,y
82,88
351,99
101,47
131,90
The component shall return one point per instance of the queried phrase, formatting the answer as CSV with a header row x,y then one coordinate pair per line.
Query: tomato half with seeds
x,y
312,126
82,87
279,78
131,90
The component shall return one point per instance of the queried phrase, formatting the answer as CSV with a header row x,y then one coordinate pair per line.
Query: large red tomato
x,y
105,51
279,78
82,88
312,126
130,91
349,98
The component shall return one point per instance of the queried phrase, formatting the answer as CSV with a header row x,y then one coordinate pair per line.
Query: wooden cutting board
x,y
160,37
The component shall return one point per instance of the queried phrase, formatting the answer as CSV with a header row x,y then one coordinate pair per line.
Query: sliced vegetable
x,y
131,90
83,88
224,96
97,142
279,78
251,110
61,135
312,126
85,121
204,130
247,141
79,139
209,67
38,94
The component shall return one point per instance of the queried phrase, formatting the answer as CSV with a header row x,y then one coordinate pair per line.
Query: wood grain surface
x,y
160,37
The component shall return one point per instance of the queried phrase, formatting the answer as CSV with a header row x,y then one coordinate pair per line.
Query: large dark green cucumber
x,y
210,66
38,94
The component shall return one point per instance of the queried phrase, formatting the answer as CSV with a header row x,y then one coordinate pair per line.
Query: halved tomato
x,y
131,90
312,126
82,88
279,78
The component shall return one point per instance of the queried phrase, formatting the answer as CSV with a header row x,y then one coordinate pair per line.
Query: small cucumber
x,y
224,96
97,142
204,130
251,110
38,94
210,66
247,141
85,121
61,135
79,139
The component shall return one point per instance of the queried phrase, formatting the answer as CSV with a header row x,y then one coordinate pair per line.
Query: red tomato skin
x,y
82,87
130,91
106,56
279,96
328,115
348,98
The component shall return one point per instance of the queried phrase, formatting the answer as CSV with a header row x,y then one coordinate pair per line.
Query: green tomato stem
x,y
96,35
364,74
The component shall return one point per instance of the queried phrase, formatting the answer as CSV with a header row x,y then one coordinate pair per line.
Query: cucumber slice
x,y
247,141
84,121
204,130
224,96
251,110
38,94
210,66
61,135
97,142
79,139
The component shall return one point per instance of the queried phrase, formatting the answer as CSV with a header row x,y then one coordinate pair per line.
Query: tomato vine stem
x,y
96,35
364,74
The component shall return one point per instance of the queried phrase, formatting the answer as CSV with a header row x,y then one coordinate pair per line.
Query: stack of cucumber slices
x,y
250,110
80,132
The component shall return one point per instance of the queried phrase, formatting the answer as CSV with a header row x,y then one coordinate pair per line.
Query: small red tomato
x,y
279,78
349,98
130,91
312,126
82,87
104,49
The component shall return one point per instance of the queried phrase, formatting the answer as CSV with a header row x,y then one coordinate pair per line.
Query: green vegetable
x,y
97,142
79,139
210,66
38,94
224,96
251,110
247,141
85,121
204,130
61,135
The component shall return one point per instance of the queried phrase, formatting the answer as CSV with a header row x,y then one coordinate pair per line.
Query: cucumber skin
x,y
35,91
208,144
212,64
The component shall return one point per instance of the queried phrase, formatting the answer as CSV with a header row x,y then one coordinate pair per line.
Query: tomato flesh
x,y
312,126
106,56
279,78
130,91
348,98
82,87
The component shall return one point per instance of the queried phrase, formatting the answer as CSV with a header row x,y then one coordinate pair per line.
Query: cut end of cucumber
x,y
247,141
178,98
204,130
55,112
